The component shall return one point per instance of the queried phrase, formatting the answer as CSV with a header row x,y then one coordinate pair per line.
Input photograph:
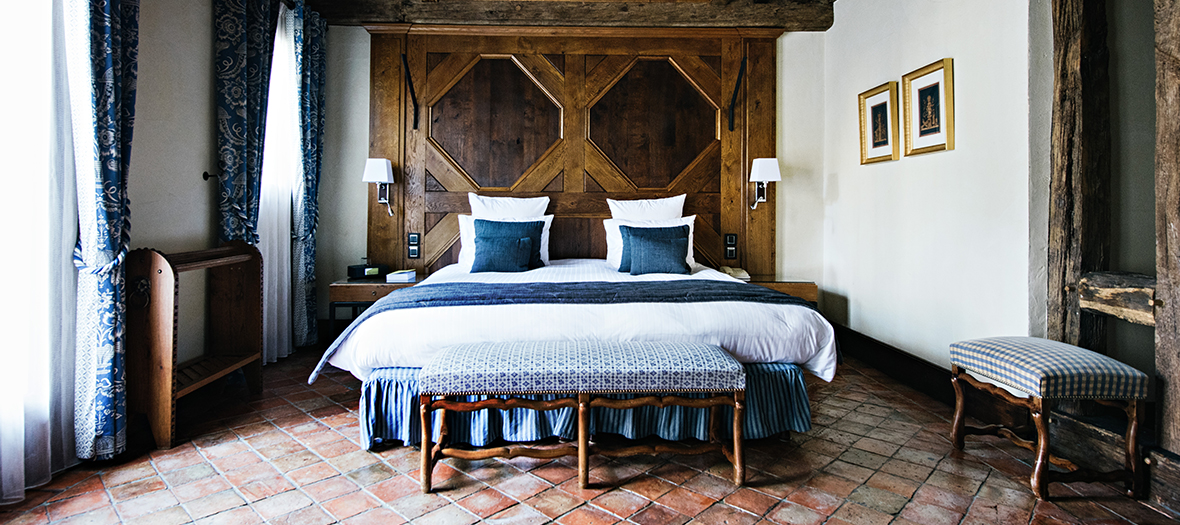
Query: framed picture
x,y
878,123
928,106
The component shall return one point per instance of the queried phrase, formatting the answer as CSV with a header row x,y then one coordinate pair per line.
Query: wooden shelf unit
x,y
233,328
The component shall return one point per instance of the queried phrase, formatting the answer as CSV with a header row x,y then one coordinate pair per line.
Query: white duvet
x,y
751,332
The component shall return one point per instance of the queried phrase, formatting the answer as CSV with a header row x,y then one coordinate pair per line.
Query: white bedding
x,y
752,332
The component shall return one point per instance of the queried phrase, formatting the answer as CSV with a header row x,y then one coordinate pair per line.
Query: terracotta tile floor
x,y
878,454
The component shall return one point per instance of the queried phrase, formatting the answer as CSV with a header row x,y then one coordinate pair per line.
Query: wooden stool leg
x,y
427,466
1040,415
957,423
739,462
583,440
1133,459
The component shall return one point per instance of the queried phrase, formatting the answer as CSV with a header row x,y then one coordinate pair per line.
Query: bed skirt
x,y
776,402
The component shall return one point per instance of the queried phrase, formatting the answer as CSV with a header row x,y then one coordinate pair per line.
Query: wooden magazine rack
x,y
233,328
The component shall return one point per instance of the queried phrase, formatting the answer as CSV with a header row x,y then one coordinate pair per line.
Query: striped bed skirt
x,y
776,402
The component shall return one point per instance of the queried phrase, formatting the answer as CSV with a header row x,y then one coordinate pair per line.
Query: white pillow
x,y
614,238
506,207
467,237
647,209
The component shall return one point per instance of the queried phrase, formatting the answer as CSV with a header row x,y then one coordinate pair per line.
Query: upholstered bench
x,y
1049,371
585,371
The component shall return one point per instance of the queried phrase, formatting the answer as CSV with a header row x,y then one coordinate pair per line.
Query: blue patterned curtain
x,y
311,61
103,211
243,45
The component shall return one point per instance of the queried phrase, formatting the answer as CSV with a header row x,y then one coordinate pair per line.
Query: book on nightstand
x,y
401,276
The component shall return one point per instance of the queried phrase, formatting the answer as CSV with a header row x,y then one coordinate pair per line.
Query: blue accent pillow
x,y
514,231
654,250
501,254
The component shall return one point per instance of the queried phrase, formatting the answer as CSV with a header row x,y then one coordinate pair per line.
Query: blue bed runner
x,y
776,401
596,292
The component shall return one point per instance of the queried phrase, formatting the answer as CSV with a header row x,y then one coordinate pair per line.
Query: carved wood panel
x,y
577,118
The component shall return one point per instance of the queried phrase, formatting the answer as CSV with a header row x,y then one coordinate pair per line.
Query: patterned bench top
x,y
595,367
1049,369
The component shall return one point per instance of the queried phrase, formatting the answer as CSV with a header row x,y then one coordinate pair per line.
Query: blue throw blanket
x,y
596,292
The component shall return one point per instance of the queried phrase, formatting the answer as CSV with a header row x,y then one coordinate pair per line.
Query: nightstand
x,y
358,294
802,289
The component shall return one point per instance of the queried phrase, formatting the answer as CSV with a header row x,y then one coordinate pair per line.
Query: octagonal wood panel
x,y
495,123
653,123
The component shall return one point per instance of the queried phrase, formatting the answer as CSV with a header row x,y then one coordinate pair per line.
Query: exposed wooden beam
x,y
1128,296
1079,185
1167,216
790,15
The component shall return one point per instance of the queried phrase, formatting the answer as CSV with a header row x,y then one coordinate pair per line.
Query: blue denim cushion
x,y
655,250
501,254
670,232
514,231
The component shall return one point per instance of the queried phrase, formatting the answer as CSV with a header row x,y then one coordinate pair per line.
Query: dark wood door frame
x,y
1079,184
1167,218
1079,236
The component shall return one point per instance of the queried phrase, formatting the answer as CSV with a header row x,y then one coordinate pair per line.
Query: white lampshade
x,y
378,170
765,170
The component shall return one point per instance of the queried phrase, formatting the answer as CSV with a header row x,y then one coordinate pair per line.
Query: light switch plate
x,y
413,252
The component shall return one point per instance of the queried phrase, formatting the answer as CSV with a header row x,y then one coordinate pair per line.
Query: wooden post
x,y
1079,209
1167,218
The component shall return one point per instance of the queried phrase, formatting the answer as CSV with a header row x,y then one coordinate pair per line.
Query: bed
x,y
775,336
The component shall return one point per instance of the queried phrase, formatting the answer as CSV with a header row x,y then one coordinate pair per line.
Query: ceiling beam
x,y
790,15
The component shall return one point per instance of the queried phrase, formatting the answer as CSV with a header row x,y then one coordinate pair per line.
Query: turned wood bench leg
x,y
739,461
427,465
583,440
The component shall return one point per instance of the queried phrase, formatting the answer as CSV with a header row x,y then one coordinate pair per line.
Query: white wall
x,y
343,198
934,248
172,208
800,197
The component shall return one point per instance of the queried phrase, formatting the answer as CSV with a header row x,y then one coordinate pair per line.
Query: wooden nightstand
x,y
802,289
358,294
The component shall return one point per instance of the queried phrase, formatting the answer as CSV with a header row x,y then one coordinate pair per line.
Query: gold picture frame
x,y
928,106
878,124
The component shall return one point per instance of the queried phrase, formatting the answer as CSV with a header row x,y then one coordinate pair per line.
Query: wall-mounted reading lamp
x,y
380,171
763,171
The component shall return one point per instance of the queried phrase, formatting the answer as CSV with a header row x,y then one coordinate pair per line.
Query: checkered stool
x,y
1047,371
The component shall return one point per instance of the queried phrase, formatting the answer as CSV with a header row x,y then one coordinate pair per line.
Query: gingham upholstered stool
x,y
586,370
1048,371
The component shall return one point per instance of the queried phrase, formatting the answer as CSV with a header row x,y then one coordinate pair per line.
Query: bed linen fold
x,y
580,300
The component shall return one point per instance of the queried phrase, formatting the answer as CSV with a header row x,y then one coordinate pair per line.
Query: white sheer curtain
x,y
282,167
37,379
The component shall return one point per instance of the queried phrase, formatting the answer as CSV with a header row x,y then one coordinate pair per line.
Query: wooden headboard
x,y
579,115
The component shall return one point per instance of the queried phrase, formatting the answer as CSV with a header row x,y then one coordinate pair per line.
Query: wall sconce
x,y
763,171
380,171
